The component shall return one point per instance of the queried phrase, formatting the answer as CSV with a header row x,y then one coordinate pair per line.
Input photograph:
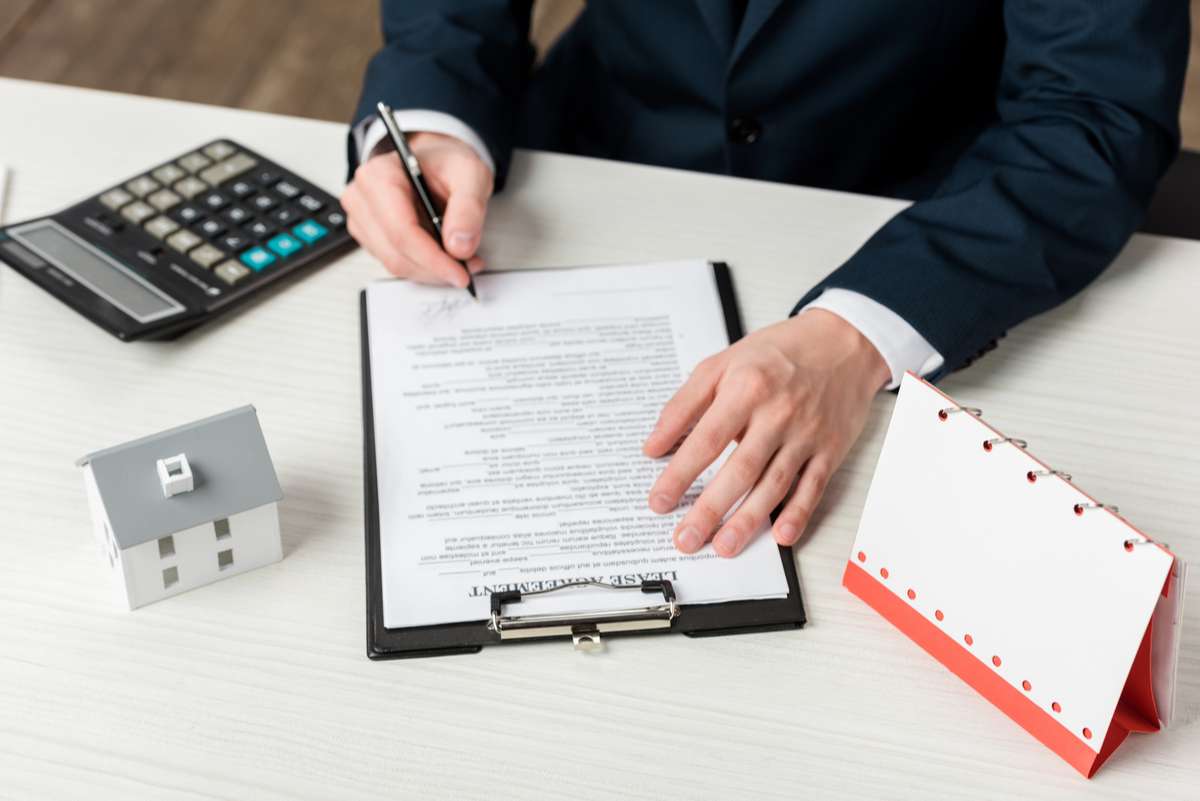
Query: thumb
x,y
462,223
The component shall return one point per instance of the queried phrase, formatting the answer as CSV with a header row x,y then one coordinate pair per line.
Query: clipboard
x,y
498,625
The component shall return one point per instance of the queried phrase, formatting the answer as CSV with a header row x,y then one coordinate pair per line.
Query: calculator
x,y
173,247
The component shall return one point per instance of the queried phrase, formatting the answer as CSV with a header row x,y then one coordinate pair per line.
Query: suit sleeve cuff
x,y
370,131
901,347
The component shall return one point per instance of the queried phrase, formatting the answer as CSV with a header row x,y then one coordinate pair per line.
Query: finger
x,y
723,421
735,478
755,512
366,232
392,212
798,510
434,262
476,265
466,206
682,411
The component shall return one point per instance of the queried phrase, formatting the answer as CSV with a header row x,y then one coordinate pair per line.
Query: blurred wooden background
x,y
302,57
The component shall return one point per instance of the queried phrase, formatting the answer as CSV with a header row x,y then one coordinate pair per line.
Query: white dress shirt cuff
x,y
371,130
901,347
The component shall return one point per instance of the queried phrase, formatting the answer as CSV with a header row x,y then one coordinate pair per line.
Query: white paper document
x,y
508,440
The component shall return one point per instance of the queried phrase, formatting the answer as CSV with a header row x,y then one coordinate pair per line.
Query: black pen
x,y
412,168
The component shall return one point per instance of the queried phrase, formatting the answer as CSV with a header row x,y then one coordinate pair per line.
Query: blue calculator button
x,y
284,244
310,231
256,258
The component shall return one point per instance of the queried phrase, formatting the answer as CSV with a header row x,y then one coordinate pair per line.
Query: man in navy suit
x,y
1029,133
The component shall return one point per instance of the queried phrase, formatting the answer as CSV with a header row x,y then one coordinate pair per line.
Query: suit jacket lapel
x,y
718,18
757,14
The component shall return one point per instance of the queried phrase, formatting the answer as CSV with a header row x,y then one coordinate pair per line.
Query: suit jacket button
x,y
744,130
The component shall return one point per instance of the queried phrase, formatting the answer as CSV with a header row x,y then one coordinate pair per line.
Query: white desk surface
x,y
258,687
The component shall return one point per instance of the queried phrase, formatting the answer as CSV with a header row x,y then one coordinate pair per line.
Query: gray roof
x,y
231,470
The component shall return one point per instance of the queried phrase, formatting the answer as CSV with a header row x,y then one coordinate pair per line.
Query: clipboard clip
x,y
584,627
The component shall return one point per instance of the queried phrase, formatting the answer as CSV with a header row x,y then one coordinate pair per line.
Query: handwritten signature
x,y
443,308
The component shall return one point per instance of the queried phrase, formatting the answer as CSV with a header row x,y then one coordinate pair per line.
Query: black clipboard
x,y
702,620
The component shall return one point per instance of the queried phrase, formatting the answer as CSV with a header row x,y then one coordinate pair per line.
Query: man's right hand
x,y
381,215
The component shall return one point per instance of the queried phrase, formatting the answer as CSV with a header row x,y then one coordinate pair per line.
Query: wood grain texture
x,y
301,57
258,688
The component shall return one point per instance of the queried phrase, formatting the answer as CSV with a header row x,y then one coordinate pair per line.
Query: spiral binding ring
x,y
989,443
1080,508
944,414
1130,544
1033,475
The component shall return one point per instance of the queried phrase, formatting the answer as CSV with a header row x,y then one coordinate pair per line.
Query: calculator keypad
x,y
138,212
194,162
258,258
164,199
219,150
183,240
206,255
230,215
162,227
231,271
142,186
168,174
115,198
190,187
262,203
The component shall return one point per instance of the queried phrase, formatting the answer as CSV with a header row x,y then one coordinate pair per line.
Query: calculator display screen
x,y
96,270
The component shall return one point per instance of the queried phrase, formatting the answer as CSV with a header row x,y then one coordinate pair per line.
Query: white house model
x,y
185,507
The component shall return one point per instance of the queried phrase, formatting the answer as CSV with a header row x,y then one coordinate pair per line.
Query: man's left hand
x,y
795,397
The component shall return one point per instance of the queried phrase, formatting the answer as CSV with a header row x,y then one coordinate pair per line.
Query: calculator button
x,y
235,242
138,211
256,258
142,186
260,229
115,198
212,228
183,240
206,255
162,227
311,204
236,215
219,150
309,231
99,224
266,177
231,168
194,162
214,201
263,202
287,189
335,219
231,272
164,199
242,189
284,216
168,174
150,256
190,187
285,244
188,213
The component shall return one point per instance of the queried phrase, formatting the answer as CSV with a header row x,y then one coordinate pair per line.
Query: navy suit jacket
x,y
1030,133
